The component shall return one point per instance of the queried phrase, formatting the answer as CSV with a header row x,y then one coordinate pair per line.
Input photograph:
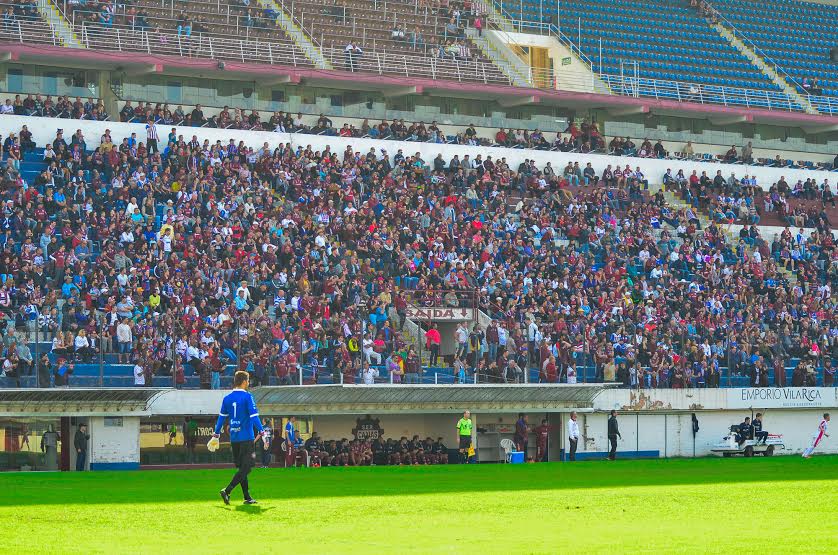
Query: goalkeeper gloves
x,y
213,444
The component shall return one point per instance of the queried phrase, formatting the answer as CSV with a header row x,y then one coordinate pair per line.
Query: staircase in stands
x,y
58,23
312,51
730,33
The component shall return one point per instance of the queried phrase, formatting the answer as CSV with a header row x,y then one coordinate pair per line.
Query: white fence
x,y
43,130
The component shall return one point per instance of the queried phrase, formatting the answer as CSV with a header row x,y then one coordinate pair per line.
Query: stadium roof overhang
x,y
75,402
394,85
382,398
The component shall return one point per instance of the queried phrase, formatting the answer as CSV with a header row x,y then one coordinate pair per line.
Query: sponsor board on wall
x,y
444,314
781,397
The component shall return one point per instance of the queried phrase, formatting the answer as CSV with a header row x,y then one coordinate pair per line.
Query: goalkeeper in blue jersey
x,y
240,408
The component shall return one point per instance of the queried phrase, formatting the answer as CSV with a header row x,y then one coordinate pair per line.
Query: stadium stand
x,y
218,30
22,19
430,40
676,44
803,47
395,36
360,36
206,256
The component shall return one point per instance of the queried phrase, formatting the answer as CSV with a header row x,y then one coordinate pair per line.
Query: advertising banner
x,y
780,397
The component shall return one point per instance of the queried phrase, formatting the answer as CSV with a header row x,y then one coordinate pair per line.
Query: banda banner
x,y
780,397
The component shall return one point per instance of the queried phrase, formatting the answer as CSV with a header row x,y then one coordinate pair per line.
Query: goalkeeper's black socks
x,y
245,488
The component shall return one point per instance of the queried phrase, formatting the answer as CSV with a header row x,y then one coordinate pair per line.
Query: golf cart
x,y
734,444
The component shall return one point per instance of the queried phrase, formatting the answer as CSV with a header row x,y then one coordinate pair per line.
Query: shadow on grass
x,y
187,486
252,509
247,509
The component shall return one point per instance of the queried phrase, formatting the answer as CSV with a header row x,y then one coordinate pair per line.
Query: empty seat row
x,y
801,47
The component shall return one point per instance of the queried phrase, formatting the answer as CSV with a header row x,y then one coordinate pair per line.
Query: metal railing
x,y
254,50
823,104
711,94
30,30
522,25
201,45
737,34
406,15
702,94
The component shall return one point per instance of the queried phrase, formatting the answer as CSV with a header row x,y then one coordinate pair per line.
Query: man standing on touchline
x,y
80,443
464,434
239,407
290,442
613,434
572,435
522,430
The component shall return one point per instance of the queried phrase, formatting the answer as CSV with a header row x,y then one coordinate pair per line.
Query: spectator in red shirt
x,y
432,341
550,370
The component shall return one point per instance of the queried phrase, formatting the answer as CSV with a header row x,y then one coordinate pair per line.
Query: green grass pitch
x,y
778,505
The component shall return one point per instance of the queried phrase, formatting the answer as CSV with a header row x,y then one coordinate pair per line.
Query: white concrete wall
x,y
43,130
114,447
650,420
646,431
673,400
575,76
569,79
668,432
182,401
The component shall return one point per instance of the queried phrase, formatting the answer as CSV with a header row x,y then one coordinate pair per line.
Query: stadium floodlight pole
x,y
583,353
729,368
559,18
174,354
365,329
238,342
600,55
301,361
101,355
636,432
37,361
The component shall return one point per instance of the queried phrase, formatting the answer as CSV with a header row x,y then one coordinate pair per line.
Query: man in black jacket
x,y
758,433
80,444
613,434
746,430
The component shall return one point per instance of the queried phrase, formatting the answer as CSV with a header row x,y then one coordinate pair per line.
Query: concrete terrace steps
x,y
312,51
512,67
763,65
58,23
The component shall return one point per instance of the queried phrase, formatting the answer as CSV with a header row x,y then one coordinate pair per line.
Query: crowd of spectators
x,y
584,137
447,41
191,256
62,107
734,200
811,86
15,12
105,14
